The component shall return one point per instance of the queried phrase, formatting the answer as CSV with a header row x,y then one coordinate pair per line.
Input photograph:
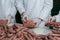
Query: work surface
x,y
43,30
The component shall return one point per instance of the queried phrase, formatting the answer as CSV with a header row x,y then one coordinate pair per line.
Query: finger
x,y
49,20
54,19
25,18
38,23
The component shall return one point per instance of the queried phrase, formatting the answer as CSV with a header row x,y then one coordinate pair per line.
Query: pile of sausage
x,y
2,32
53,24
3,22
29,24
56,31
21,32
16,32
55,35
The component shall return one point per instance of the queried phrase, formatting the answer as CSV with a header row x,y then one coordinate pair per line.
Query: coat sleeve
x,y
46,11
57,17
12,11
20,6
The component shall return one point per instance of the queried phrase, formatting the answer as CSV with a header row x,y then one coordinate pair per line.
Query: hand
x,y
29,24
24,17
8,18
3,22
38,22
52,19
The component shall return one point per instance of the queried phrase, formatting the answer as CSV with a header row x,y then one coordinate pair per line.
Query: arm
x,y
20,6
48,5
12,11
57,17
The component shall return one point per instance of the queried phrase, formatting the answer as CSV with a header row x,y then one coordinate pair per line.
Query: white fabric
x,y
43,30
35,8
58,17
7,8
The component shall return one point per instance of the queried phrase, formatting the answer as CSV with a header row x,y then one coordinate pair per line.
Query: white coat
x,y
58,17
7,8
35,8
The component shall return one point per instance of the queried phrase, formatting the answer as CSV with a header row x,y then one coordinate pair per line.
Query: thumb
x,y
8,18
25,18
49,20
54,19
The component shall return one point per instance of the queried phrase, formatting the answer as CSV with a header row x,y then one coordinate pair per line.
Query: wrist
x,y
40,19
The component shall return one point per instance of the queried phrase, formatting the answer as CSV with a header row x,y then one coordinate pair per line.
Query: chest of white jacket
x,y
29,4
8,6
8,3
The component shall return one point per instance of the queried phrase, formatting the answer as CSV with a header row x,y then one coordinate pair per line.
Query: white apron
x,y
7,8
58,17
35,8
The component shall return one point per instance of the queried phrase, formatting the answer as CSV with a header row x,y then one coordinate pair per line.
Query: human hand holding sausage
x,y
24,16
52,19
38,22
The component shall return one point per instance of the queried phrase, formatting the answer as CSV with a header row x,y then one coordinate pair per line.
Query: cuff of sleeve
x,y
22,11
57,18
43,19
